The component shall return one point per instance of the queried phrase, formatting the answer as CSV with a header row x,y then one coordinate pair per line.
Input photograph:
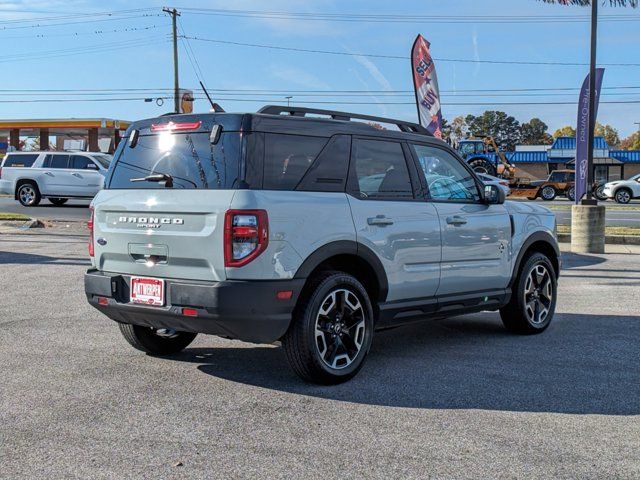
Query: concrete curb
x,y
608,239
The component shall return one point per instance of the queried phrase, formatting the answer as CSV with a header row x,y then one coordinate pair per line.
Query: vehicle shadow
x,y
576,260
15,258
583,364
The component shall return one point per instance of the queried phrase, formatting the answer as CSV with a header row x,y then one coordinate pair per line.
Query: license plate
x,y
147,291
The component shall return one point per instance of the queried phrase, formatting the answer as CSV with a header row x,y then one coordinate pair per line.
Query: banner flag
x,y
582,133
425,83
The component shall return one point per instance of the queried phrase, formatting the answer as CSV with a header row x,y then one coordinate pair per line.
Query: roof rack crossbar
x,y
336,115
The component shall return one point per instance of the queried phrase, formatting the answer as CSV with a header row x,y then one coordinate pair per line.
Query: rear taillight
x,y
246,235
90,226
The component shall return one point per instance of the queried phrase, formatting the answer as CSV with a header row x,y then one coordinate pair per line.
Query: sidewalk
x,y
609,248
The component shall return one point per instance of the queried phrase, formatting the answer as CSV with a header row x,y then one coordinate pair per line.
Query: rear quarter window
x,y
20,160
287,158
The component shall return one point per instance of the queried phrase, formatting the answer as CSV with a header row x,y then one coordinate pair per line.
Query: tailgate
x,y
161,232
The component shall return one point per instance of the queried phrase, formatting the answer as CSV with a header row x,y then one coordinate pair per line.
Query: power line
x,y
399,18
77,34
79,22
404,57
71,15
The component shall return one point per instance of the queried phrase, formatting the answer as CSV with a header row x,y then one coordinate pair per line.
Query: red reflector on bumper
x,y
284,295
190,312
103,301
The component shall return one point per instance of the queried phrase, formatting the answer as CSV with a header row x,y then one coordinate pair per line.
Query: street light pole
x,y
176,87
592,104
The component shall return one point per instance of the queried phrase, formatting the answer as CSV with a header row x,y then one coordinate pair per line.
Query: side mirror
x,y
493,195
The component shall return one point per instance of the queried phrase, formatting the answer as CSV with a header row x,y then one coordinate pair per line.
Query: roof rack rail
x,y
303,111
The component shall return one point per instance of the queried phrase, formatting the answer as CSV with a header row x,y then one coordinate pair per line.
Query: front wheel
x,y
331,330
156,341
481,165
533,299
600,193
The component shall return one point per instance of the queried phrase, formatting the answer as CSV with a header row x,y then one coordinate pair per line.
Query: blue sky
x,y
39,57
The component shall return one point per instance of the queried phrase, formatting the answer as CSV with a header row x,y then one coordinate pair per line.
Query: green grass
x,y
14,216
633,231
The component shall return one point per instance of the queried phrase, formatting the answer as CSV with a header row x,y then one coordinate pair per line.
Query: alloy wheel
x,y
27,195
623,196
548,193
538,294
340,328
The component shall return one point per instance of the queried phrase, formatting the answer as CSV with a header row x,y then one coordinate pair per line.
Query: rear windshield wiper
x,y
158,177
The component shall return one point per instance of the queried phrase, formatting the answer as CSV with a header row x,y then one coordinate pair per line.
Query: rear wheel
x,y
533,299
571,194
482,165
28,194
623,195
58,201
331,330
548,193
156,341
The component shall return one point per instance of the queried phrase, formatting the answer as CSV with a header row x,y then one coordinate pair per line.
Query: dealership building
x,y
537,161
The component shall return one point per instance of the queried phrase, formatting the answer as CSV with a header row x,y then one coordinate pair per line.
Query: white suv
x,y
57,176
622,191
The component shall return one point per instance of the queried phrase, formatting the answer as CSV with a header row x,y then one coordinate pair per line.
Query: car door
x,y
392,220
56,178
87,179
476,237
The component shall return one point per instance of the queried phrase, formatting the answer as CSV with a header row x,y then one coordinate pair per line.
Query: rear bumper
x,y
244,310
6,187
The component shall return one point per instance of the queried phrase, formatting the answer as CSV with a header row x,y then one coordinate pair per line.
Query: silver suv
x,y
311,228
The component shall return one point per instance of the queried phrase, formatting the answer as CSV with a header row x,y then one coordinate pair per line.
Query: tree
x,y
504,128
609,133
632,142
566,131
534,132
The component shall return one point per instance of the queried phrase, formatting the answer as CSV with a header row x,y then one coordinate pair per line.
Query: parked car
x,y
56,176
622,191
281,225
559,182
501,182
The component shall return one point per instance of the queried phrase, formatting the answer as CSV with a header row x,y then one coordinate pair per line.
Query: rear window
x,y
189,158
20,160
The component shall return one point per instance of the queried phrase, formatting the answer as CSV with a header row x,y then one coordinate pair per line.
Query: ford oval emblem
x,y
102,241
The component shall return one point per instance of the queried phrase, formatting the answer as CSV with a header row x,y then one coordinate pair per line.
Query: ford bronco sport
x,y
308,227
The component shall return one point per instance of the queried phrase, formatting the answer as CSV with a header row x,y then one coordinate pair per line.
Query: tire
x,y
600,193
58,202
331,330
531,198
548,193
623,195
571,194
28,194
535,290
148,340
481,165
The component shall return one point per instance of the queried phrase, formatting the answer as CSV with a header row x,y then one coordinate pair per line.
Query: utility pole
x,y
288,100
176,83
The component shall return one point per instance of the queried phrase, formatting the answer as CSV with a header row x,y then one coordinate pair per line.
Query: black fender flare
x,y
346,247
531,239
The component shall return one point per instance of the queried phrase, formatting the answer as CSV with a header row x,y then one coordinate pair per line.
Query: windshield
x,y
188,158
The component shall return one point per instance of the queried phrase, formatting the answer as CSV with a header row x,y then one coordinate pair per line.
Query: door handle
x,y
380,220
49,173
76,175
456,220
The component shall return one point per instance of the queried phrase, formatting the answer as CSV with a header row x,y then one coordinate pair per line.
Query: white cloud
x,y
297,76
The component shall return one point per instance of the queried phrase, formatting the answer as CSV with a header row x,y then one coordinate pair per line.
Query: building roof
x,y
626,156
64,123
569,143
528,157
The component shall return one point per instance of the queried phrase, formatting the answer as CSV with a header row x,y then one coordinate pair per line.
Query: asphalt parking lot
x,y
454,399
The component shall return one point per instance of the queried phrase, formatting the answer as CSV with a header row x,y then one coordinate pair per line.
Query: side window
x,y
447,179
20,160
328,173
56,161
287,158
381,170
81,162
